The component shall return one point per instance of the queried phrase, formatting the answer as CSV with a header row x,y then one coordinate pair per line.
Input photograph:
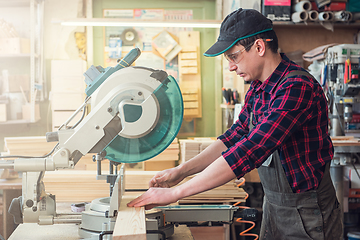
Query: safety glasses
x,y
235,57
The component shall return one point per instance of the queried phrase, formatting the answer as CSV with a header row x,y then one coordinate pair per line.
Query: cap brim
x,y
219,48
222,46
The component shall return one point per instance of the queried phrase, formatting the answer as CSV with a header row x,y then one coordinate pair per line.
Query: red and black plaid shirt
x,y
292,118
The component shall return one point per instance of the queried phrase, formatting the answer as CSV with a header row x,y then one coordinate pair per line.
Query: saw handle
x,y
128,59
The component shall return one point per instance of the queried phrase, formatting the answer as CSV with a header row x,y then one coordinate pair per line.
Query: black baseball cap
x,y
238,25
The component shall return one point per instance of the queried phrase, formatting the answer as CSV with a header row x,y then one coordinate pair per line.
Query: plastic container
x,y
353,235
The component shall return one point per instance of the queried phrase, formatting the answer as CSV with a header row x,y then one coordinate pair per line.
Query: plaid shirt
x,y
292,118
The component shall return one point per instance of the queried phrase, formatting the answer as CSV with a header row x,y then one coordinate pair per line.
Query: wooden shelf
x,y
227,106
21,121
315,24
21,55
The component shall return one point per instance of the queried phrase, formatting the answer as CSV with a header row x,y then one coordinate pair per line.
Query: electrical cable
x,y
355,166
239,220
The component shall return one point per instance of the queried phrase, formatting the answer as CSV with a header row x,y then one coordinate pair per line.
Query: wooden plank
x,y
130,222
342,138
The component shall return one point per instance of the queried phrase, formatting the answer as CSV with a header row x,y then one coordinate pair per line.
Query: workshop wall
x,y
60,44
202,9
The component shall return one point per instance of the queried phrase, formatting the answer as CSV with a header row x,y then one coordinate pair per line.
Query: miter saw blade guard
x,y
170,106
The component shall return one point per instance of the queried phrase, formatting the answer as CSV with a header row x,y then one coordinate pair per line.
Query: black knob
x,y
29,203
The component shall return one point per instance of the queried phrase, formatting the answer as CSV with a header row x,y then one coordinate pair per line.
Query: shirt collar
x,y
272,80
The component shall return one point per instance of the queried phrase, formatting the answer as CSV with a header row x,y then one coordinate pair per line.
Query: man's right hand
x,y
167,178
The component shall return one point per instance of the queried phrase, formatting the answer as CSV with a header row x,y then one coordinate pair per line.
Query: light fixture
x,y
121,22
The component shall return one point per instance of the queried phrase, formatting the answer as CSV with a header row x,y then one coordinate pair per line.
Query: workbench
x,y
33,231
344,147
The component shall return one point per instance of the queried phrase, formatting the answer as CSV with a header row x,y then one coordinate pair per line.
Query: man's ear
x,y
260,47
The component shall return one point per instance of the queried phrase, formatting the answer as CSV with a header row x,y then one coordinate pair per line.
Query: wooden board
x,y
345,141
130,222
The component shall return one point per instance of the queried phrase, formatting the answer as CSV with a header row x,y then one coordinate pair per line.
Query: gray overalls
x,y
314,214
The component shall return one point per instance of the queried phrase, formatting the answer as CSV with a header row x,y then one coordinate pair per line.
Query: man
x,y
282,130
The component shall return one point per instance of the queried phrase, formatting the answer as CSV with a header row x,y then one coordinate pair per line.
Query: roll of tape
x,y
129,36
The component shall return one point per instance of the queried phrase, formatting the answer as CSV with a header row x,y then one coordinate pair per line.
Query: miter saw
x,y
136,112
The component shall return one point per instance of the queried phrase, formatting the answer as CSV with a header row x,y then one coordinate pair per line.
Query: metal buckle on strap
x,y
268,161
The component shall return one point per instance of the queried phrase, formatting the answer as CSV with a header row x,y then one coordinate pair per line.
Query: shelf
x,y
17,3
124,22
227,106
21,55
315,24
21,121
25,55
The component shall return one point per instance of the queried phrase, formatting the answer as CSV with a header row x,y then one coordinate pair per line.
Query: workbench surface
x,y
33,231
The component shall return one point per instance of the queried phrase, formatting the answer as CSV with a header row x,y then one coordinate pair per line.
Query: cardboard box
x,y
67,101
14,46
60,117
277,10
26,112
68,68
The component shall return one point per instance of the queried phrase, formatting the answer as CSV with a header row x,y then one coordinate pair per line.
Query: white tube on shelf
x,y
313,15
300,16
302,6
324,16
343,16
331,16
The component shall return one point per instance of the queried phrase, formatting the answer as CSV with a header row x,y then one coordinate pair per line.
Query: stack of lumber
x,y
75,186
138,180
345,141
167,159
82,186
227,193
28,146
37,146
192,147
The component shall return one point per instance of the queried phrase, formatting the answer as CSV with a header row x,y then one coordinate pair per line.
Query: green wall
x,y
202,9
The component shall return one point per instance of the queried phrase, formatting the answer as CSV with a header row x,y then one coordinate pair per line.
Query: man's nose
x,y
232,66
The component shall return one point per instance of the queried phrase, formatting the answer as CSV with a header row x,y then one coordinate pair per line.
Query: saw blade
x,y
132,150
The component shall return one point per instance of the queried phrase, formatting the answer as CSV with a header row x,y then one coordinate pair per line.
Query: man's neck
x,y
271,63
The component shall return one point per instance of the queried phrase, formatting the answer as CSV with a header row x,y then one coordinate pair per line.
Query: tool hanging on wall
x,y
227,94
235,97
347,72
129,37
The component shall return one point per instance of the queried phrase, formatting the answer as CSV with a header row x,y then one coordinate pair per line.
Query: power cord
x,y
52,151
246,216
